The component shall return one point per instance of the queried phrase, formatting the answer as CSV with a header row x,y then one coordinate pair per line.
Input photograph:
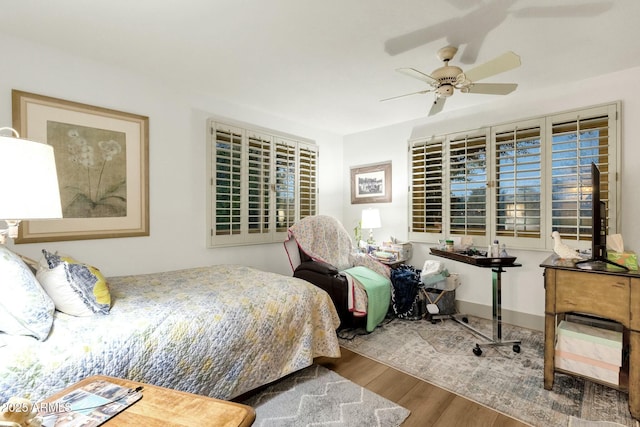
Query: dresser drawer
x,y
597,294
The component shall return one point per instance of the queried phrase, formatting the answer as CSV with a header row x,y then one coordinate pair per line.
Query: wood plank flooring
x,y
429,405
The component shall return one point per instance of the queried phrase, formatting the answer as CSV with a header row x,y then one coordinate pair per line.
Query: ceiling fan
x,y
446,79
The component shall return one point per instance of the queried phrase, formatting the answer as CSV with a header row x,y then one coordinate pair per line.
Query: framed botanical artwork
x,y
102,161
371,183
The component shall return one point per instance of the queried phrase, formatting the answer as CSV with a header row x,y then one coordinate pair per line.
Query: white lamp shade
x,y
371,218
28,180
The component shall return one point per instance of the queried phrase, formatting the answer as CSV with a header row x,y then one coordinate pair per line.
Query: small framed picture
x,y
371,183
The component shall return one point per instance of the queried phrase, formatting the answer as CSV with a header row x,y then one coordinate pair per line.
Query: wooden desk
x,y
609,293
164,407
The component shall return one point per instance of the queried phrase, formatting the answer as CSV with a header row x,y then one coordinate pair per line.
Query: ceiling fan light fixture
x,y
444,90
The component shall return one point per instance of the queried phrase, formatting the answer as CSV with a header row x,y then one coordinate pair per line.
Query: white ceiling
x,y
327,63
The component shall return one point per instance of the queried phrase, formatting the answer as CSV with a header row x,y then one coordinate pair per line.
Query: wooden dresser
x,y
611,294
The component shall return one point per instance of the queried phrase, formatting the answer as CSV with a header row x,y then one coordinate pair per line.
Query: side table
x,y
497,266
164,407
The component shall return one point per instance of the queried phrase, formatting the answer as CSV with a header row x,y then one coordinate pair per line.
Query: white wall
x,y
523,289
177,160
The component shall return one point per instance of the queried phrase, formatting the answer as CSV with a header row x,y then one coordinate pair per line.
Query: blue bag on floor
x,y
405,281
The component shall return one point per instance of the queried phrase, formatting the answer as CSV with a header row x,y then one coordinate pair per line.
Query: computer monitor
x,y
598,258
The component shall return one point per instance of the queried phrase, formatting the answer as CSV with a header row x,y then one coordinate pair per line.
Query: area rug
x,y
576,422
510,382
317,396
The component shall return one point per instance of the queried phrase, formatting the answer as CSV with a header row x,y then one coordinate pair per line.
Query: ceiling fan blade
x,y
505,62
437,106
412,72
421,92
492,88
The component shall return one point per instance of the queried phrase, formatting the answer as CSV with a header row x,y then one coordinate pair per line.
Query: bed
x,y
218,331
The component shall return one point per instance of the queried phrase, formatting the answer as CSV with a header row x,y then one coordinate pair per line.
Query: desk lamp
x,y
371,220
28,183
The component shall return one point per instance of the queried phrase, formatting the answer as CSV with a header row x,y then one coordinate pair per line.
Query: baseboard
x,y
524,320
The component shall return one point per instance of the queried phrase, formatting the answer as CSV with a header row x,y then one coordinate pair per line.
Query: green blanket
x,y
378,290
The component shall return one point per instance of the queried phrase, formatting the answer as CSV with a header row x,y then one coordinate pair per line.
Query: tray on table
x,y
478,260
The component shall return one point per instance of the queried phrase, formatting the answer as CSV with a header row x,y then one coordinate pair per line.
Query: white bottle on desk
x,y
495,249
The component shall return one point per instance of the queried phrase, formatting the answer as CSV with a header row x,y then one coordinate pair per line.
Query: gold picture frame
x,y
371,183
102,160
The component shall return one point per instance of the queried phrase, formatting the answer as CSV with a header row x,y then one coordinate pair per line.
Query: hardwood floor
x,y
429,405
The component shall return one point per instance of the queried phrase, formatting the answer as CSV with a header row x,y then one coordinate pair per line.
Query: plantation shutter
x,y
518,172
468,185
259,179
261,184
576,143
426,168
285,184
308,158
536,175
228,182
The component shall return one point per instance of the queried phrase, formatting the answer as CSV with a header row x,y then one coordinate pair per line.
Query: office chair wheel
x,y
477,350
516,348
465,319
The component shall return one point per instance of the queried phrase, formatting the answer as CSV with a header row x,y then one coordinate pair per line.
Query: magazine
x,y
89,406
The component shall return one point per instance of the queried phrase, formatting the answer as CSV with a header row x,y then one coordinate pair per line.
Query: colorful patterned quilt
x,y
218,331
324,238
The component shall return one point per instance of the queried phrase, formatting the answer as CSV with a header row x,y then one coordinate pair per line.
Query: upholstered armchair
x,y
321,252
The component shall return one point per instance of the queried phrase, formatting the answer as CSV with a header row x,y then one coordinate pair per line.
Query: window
x,y
308,180
468,185
261,182
516,182
426,166
575,144
518,190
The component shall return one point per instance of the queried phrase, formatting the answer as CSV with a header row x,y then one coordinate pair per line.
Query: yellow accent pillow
x,y
76,288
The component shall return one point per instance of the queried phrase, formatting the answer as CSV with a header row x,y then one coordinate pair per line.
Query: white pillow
x,y
75,288
25,308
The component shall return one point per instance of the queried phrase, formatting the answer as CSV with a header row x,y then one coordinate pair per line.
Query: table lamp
x,y
371,220
28,183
